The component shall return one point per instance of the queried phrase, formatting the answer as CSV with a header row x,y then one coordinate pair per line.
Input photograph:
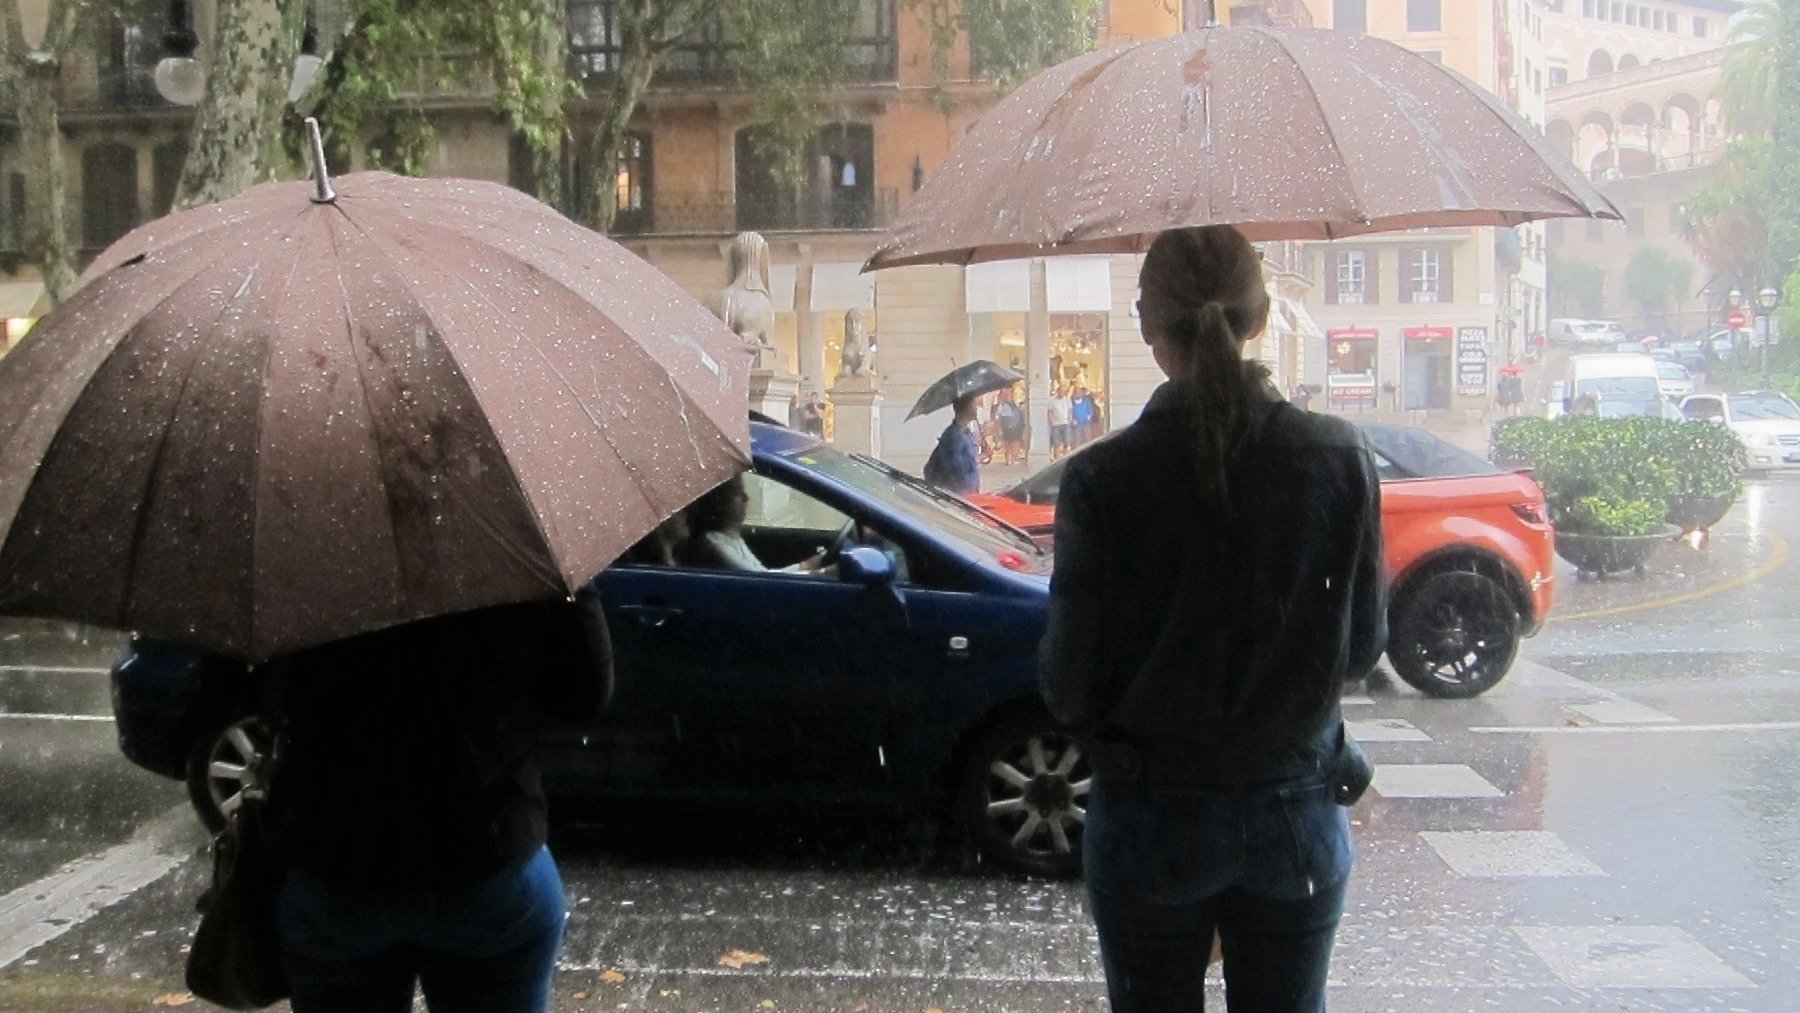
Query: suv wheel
x,y
1454,635
1023,796
223,764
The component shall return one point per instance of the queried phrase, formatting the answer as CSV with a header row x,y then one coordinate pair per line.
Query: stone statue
x,y
744,304
858,357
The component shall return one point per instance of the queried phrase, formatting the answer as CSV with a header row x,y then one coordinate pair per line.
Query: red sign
x,y
1736,320
1426,333
1353,334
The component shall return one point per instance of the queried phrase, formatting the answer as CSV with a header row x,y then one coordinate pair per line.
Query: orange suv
x,y
1468,549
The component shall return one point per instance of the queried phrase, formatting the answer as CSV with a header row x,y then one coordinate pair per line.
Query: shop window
x,y
1078,367
1424,16
1425,276
109,193
1350,15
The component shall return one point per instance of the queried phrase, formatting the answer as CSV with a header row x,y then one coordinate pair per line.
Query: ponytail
x,y
1223,392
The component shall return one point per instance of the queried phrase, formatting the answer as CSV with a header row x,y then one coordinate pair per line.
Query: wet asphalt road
x,y
1615,827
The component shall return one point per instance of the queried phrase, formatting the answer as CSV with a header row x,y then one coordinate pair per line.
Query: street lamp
x,y
1767,298
181,79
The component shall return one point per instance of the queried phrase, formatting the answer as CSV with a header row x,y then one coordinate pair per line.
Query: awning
x,y
22,299
1078,284
839,287
782,278
997,286
1308,327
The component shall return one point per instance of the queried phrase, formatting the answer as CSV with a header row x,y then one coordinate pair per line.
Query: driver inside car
x,y
716,535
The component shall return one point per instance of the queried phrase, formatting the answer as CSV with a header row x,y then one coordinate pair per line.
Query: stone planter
x,y
1691,512
1604,554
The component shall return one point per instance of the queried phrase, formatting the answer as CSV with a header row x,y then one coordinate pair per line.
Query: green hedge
x,y
1620,476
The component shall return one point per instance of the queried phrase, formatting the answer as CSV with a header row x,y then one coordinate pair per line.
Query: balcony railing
x,y
711,57
720,213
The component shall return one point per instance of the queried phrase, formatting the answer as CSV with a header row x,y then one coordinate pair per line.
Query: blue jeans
x,y
1266,867
484,947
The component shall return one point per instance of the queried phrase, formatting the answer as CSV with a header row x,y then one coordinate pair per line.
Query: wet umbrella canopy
x,y
970,380
1286,133
277,420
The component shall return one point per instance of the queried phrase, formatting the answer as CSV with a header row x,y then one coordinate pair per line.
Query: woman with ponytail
x,y
1218,579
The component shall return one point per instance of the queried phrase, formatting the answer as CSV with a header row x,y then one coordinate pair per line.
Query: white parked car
x,y
1767,421
1579,333
1673,380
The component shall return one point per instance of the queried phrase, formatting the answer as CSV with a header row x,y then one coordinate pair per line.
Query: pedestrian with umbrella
x,y
955,462
376,453
1218,564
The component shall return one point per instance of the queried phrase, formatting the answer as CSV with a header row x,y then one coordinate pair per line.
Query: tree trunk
x,y
637,65
237,134
46,192
550,45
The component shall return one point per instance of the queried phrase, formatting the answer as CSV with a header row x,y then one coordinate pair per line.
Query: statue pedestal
x,y
772,393
856,415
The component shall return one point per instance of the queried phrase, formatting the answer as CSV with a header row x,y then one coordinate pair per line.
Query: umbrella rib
x,y
518,483
1362,210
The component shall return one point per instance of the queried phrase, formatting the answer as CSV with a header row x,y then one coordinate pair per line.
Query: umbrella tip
x,y
321,178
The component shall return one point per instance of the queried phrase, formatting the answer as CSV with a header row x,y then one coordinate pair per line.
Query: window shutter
x,y
1372,275
1331,276
1408,271
1446,274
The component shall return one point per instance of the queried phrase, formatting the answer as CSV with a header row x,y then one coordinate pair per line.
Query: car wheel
x,y
1024,796
1454,635
223,764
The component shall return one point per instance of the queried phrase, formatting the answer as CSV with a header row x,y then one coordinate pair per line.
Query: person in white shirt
x,y
717,540
1059,415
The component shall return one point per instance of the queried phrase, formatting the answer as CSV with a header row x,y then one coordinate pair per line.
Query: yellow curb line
x,y
1776,561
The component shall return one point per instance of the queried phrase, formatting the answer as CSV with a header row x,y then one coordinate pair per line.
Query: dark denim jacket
x,y
1209,646
955,464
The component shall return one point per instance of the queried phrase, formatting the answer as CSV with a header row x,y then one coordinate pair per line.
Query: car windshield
x,y
1617,386
1754,407
1670,371
1041,486
946,514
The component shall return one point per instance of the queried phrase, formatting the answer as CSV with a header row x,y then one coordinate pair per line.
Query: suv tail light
x,y
1531,513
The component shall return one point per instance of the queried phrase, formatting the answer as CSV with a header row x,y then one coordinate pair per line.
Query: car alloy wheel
x,y
225,764
1025,802
1454,635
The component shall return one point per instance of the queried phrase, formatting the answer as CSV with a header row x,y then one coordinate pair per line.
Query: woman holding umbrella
x,y
1218,579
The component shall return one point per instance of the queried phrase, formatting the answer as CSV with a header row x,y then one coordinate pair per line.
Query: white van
x,y
1577,333
1624,382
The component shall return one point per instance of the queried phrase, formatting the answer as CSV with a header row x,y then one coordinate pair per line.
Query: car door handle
x,y
652,616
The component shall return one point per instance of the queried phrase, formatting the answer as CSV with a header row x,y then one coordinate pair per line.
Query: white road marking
x,y
1386,730
1629,956
38,912
1745,726
60,669
1431,780
108,718
1508,853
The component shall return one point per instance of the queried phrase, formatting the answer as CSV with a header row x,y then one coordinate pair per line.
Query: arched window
x,y
109,193
1600,62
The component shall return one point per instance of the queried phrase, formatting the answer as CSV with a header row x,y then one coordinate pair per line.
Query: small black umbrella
x,y
978,377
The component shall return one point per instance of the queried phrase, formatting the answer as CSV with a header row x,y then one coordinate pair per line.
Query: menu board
x,y
1471,361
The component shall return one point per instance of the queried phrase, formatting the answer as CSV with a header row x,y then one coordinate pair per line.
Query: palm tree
x,y
1726,221
1748,80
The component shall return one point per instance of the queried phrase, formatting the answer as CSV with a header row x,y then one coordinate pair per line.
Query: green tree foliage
x,y
1009,40
1726,222
1655,279
1578,288
1784,159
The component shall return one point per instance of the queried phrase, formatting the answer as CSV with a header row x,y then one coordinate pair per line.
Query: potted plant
x,y
1709,463
1607,485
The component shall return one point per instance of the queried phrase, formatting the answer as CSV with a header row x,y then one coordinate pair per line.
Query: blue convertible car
x,y
905,672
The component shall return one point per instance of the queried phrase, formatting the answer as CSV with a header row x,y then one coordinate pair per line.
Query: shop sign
x,y
1346,389
1471,361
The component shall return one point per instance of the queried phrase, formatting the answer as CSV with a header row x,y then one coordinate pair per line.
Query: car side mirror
x,y
865,565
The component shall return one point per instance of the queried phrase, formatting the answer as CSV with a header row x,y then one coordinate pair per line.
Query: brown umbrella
x,y
277,421
1286,133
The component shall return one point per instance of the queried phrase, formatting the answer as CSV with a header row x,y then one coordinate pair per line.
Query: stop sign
x,y
1736,320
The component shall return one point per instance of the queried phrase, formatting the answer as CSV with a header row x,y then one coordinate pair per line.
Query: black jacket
x,y
1208,647
407,754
